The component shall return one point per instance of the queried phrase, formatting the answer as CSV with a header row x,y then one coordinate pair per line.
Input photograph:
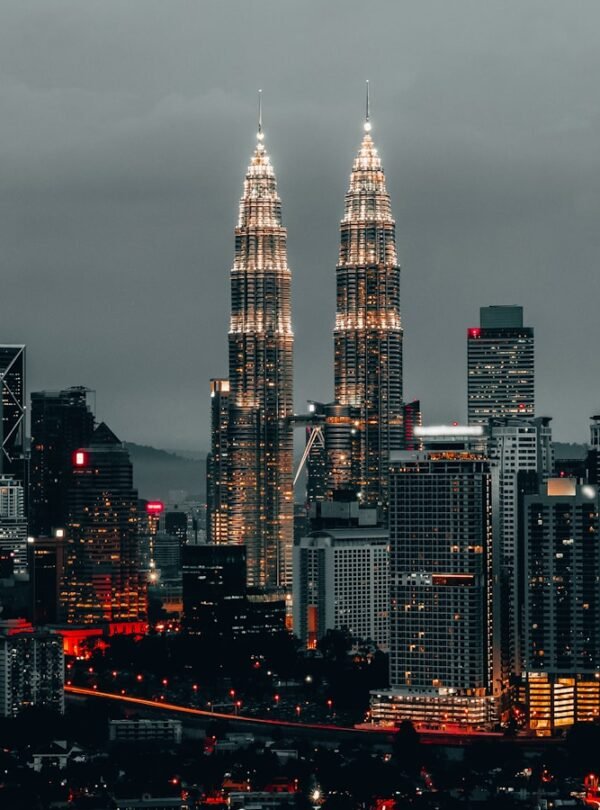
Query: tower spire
x,y
367,124
260,134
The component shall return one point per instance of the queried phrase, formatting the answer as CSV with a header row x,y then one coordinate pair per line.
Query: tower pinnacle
x,y
367,124
260,135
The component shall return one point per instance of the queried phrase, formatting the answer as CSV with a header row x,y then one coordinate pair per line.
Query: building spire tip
x,y
367,124
260,134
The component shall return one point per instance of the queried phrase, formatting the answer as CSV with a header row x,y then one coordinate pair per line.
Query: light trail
x,y
440,737
210,715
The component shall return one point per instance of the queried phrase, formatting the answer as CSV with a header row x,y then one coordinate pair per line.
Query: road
x,y
325,731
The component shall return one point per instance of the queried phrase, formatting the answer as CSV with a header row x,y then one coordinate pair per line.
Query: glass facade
x,y
368,331
260,440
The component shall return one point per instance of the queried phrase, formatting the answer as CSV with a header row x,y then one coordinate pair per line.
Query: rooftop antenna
x,y
367,125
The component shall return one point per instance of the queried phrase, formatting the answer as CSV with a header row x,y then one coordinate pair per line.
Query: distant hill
x,y
155,472
565,450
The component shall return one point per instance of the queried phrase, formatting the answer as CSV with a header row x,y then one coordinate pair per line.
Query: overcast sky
x,y
125,130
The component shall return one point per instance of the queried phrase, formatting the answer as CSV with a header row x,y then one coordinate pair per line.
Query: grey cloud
x,y
125,129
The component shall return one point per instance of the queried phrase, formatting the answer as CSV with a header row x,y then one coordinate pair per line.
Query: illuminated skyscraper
x,y
333,460
522,457
260,482
216,463
12,411
368,331
561,611
13,523
102,582
441,623
501,371
61,422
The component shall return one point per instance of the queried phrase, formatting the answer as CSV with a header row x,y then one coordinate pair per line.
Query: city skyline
x,y
117,225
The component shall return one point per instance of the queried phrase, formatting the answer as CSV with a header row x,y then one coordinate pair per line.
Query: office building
x,y
500,366
593,460
561,651
61,422
441,623
214,589
260,441
368,332
522,458
102,581
13,524
411,418
217,603
341,576
176,525
47,565
333,450
167,554
31,669
217,466
12,414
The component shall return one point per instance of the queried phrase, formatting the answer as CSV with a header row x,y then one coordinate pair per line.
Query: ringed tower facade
x,y
368,330
260,455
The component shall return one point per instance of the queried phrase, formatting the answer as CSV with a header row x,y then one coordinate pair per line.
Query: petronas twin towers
x,y
250,468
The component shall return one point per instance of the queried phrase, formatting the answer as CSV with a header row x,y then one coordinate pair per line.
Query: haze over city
x,y
125,133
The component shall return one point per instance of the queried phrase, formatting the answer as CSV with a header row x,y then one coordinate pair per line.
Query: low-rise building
x,y
144,730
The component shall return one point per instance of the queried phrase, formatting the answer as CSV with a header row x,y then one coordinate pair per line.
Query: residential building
x,y
31,668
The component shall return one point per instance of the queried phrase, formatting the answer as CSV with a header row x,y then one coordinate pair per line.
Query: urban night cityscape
x,y
299,410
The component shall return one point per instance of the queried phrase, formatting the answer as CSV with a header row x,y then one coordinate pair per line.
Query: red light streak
x,y
438,737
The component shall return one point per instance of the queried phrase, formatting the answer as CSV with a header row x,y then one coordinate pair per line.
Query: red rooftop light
x,y
474,333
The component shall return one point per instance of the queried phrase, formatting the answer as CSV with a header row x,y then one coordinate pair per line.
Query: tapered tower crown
x,y
368,331
260,402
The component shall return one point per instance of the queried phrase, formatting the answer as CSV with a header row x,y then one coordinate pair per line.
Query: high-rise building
x,y
217,469
61,421
441,653
13,524
31,669
333,458
214,589
12,413
176,524
500,366
522,458
260,442
341,576
561,651
47,564
368,331
102,581
593,460
411,418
